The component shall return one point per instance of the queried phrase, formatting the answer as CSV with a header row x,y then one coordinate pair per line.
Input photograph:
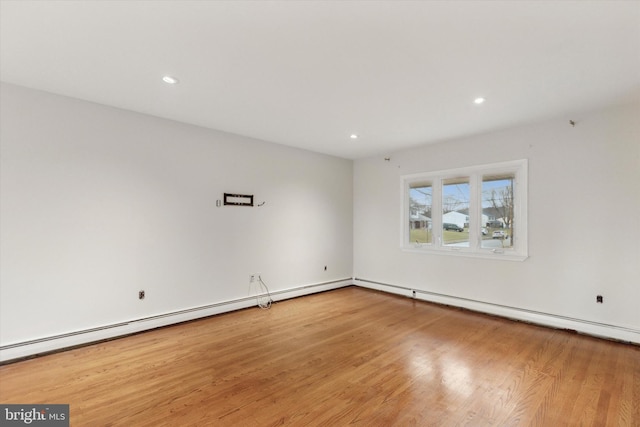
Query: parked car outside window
x,y
498,234
452,227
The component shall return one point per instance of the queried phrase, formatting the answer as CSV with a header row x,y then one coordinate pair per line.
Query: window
x,y
455,212
497,211
481,211
420,230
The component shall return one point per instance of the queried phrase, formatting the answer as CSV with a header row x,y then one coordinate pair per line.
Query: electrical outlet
x,y
254,277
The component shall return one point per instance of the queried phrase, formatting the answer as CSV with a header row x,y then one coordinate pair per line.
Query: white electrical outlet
x,y
253,277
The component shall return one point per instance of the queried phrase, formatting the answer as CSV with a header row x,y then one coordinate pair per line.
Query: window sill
x,y
507,255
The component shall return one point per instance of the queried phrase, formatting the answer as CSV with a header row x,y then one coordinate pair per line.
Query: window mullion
x,y
474,213
436,217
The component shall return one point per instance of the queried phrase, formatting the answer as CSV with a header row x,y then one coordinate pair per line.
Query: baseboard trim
x,y
34,347
587,327
31,348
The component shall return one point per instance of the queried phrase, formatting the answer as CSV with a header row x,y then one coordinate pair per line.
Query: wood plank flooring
x,y
346,357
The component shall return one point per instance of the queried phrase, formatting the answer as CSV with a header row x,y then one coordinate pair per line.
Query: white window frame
x,y
519,250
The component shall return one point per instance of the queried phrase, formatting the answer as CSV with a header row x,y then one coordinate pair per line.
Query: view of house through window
x,y
477,211
497,211
420,230
455,212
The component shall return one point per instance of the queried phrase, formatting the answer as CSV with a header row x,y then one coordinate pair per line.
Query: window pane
x,y
497,211
420,202
455,212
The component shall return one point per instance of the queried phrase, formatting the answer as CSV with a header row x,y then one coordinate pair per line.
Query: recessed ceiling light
x,y
479,100
353,136
170,80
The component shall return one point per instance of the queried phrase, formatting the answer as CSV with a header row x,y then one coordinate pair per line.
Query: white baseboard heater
x,y
597,329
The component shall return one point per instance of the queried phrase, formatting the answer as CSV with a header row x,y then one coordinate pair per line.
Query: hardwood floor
x,y
345,357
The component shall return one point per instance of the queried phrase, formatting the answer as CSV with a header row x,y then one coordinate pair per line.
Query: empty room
x,y
372,213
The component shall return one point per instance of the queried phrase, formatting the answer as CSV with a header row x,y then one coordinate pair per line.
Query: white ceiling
x,y
310,73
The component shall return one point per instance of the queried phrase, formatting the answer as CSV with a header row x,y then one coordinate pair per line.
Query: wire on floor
x,y
264,298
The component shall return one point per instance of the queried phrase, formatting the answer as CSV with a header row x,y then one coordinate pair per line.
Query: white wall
x,y
584,225
98,203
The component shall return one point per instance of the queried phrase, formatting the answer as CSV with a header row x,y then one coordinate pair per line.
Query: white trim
x,y
504,255
47,344
587,327
41,345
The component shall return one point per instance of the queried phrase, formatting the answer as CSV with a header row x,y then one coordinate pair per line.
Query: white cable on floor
x,y
264,300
